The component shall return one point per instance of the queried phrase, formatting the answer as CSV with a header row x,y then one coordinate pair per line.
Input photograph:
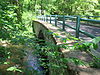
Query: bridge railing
x,y
62,19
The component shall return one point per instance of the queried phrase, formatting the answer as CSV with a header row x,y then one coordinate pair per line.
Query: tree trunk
x,y
34,5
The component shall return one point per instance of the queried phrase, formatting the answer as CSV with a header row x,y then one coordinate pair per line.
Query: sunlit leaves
x,y
96,40
14,69
8,19
88,45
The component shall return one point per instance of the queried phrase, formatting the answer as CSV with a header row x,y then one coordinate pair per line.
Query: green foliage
x,y
52,58
88,45
13,69
9,25
95,63
4,53
19,34
64,7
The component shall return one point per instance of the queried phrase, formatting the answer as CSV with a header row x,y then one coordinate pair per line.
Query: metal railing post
x,y
63,26
43,17
77,26
39,17
87,21
50,19
55,20
46,18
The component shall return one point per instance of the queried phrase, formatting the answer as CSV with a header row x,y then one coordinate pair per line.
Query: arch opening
x,y
41,42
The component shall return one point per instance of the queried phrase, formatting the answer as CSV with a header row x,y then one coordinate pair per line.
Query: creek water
x,y
32,63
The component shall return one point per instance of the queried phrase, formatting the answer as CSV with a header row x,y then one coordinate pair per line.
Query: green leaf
x,y
96,40
13,69
6,62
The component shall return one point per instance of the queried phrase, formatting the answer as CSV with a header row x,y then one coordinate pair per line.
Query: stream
x,y
32,63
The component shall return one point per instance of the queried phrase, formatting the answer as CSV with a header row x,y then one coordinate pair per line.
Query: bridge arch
x,y
41,35
42,29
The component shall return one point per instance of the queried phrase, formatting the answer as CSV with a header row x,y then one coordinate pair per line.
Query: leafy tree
x,y
10,21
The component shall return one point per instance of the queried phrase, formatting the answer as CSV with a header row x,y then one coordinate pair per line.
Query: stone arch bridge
x,y
50,33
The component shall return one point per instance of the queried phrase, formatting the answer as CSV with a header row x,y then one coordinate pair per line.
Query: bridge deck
x,y
88,28
85,27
